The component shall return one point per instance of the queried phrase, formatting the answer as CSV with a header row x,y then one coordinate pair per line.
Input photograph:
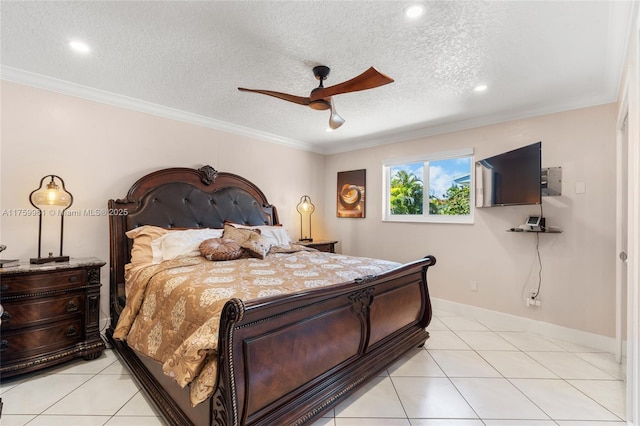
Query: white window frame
x,y
426,216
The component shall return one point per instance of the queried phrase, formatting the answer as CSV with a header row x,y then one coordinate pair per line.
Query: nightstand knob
x,y
4,345
71,331
5,287
5,317
72,306
73,278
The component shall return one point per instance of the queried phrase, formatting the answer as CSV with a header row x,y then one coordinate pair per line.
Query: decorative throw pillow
x,y
277,235
249,239
220,249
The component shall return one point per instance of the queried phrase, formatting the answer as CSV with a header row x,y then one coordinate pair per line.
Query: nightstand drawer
x,y
26,313
40,283
328,247
51,314
32,341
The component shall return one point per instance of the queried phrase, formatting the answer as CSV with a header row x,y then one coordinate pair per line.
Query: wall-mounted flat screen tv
x,y
511,178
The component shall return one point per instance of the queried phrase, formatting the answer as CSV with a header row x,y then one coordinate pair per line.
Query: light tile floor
x,y
468,374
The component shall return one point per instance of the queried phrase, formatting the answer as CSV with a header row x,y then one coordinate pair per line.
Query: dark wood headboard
x,y
180,197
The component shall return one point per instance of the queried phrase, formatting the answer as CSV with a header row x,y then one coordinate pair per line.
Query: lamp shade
x,y
51,194
305,205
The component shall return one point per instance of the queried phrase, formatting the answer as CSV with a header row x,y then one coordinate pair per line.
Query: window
x,y
429,188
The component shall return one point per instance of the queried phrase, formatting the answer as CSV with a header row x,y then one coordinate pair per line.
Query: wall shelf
x,y
552,231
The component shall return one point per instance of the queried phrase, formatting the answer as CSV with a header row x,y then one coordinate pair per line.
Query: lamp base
x,y
306,240
41,260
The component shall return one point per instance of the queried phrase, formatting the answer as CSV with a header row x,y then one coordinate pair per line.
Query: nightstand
x,y
326,246
51,314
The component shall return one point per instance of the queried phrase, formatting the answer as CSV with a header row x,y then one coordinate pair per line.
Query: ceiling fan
x,y
321,98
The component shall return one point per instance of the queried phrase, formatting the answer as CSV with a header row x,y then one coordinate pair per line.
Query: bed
x,y
281,359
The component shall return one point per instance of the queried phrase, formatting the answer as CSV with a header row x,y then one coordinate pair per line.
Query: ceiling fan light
x,y
335,120
334,124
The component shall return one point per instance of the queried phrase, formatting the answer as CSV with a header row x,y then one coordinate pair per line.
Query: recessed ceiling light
x,y
79,46
480,88
414,11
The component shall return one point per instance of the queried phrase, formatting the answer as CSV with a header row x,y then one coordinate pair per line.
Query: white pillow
x,y
181,243
275,235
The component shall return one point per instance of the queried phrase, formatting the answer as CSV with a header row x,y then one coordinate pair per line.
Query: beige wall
x,y
101,150
578,277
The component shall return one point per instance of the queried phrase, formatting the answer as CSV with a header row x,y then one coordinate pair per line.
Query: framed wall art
x,y
351,193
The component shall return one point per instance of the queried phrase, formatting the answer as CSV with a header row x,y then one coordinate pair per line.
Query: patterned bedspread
x,y
173,308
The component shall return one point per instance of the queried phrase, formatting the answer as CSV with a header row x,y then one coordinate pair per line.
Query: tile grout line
x,y
42,375
563,350
449,378
398,395
504,377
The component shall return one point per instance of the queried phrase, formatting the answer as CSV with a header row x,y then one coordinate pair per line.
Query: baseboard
x,y
578,337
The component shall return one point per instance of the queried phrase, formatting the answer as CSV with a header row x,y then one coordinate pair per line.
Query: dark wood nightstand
x,y
326,246
51,314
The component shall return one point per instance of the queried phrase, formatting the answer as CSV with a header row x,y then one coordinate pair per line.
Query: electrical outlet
x,y
474,285
532,300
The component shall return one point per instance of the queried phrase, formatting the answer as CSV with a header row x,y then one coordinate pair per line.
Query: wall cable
x,y
539,258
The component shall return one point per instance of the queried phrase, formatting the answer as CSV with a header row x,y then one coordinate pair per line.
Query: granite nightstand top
x,y
24,267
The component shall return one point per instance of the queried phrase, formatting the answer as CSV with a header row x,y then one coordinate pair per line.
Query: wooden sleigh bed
x,y
328,340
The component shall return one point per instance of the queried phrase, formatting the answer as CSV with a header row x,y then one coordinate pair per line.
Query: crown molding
x,y
40,81
413,133
370,141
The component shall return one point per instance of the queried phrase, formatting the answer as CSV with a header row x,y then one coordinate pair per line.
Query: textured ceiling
x,y
189,57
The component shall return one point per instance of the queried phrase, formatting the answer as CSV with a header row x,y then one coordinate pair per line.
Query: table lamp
x,y
305,206
50,194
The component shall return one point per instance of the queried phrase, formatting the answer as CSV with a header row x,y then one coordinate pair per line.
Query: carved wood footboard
x,y
288,360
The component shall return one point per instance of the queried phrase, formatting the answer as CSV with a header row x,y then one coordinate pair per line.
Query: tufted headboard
x,y
180,198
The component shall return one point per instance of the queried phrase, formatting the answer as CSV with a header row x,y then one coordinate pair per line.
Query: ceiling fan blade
x,y
367,80
335,120
285,96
